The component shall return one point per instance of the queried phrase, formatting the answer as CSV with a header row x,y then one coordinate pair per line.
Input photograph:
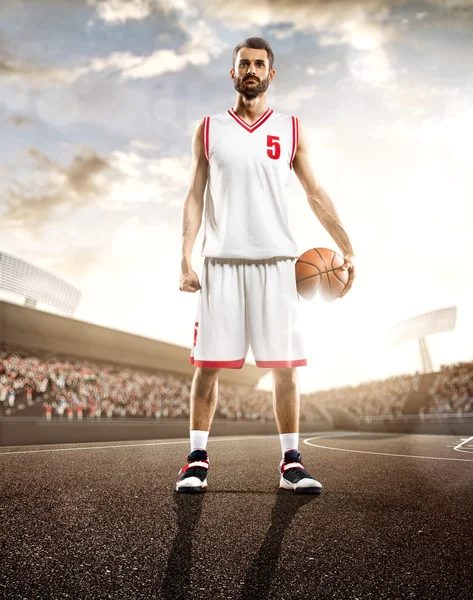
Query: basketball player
x,y
244,157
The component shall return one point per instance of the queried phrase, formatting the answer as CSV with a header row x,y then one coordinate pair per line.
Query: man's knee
x,y
284,374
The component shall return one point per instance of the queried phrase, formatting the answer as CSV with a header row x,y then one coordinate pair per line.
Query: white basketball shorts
x,y
243,302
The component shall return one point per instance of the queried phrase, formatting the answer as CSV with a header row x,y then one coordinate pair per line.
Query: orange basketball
x,y
319,270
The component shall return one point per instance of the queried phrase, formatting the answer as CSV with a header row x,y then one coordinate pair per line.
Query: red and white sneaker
x,y
293,476
192,477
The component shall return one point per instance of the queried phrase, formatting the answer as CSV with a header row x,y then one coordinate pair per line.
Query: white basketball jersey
x,y
246,208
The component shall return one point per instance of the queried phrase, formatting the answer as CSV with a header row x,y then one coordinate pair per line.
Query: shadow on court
x,y
263,567
177,577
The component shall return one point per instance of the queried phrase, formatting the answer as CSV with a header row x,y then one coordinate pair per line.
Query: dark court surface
x,y
97,521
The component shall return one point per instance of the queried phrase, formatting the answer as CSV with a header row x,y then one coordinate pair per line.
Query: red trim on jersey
x,y
278,364
295,138
264,117
218,364
205,136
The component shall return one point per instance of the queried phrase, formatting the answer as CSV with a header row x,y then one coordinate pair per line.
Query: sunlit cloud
x,y
370,67
116,12
120,11
359,24
202,46
50,190
20,121
296,98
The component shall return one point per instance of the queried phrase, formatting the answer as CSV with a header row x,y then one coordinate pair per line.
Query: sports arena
x,y
235,300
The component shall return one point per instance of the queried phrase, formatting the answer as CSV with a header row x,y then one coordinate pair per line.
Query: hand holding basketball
x,y
189,280
349,266
324,271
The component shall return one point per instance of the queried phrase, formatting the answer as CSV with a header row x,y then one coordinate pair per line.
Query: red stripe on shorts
x,y
218,364
280,364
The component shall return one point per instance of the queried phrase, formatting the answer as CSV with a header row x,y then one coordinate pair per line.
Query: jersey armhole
x,y
205,136
295,138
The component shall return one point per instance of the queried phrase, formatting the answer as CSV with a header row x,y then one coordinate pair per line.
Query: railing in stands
x,y
426,418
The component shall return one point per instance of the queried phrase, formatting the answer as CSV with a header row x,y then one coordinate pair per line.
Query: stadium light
x,y
36,285
418,327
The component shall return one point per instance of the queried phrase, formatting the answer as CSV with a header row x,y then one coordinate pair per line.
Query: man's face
x,y
251,76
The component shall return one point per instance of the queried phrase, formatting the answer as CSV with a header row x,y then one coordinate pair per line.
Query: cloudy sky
x,y
98,102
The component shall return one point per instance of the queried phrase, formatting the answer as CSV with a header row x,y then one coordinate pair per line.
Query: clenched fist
x,y
189,280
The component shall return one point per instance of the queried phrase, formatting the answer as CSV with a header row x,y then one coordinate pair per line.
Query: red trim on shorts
x,y
295,138
218,364
281,364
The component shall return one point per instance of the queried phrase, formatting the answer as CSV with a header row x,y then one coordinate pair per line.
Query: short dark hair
x,y
257,44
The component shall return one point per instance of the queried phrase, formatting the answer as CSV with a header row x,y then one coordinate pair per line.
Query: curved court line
x,y
306,441
458,446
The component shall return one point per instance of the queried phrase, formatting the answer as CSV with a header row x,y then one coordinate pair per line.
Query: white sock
x,y
198,439
289,441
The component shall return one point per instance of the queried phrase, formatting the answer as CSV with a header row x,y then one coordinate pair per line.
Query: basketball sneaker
x,y
193,476
293,476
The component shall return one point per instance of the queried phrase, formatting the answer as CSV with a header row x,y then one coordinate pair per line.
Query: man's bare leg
x,y
286,400
203,400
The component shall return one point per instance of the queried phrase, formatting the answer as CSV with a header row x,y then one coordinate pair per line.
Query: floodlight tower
x,y
420,326
36,285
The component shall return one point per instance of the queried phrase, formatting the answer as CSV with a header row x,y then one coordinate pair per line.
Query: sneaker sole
x,y
287,485
191,489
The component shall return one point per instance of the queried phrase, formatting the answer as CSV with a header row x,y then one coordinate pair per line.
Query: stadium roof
x,y
37,285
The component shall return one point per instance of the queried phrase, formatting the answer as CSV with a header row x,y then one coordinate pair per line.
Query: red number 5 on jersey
x,y
274,148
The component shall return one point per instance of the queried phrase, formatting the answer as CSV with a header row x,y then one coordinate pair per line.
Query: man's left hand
x,y
349,265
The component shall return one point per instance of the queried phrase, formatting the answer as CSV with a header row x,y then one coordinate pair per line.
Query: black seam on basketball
x,y
344,284
322,258
304,262
326,272
331,266
322,272
310,277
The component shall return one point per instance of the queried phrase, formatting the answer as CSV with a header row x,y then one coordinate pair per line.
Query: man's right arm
x,y
194,202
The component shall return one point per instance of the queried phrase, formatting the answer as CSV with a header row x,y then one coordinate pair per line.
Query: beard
x,y
251,90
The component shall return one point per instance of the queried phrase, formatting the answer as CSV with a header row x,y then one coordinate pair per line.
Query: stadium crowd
x,y
68,388
452,390
373,398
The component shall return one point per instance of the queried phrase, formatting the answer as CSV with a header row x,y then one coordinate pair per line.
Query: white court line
x,y
248,437
464,441
306,441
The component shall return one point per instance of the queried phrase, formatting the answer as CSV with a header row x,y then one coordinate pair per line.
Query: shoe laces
x,y
297,474
199,472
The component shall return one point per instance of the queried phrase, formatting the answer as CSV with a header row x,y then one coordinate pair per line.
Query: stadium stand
x,y
452,390
34,383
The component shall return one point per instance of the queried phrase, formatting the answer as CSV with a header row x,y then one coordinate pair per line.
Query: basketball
x,y
319,270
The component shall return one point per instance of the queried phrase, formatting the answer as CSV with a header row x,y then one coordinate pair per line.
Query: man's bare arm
x,y
194,201
322,205
318,199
